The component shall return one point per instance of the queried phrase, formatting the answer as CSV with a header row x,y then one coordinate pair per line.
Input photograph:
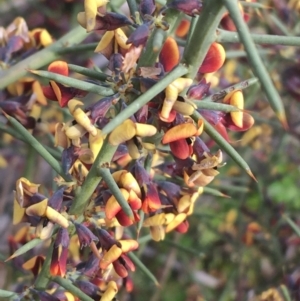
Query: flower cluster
x,y
144,190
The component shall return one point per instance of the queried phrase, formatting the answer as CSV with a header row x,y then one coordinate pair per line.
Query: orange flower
x,y
214,59
169,55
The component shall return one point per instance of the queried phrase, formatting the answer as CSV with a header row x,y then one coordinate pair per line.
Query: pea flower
x,y
58,266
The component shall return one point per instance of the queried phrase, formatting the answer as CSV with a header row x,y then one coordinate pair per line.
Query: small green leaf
x,y
25,248
66,284
207,105
6,294
239,86
225,36
37,146
285,293
88,72
293,225
214,192
73,82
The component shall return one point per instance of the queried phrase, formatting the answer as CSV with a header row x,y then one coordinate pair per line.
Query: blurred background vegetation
x,y
238,246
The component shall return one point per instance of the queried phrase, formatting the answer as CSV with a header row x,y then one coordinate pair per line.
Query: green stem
x,y
224,36
142,267
183,248
43,277
255,60
203,36
292,224
77,48
93,179
144,98
30,163
75,83
153,47
215,192
234,54
115,190
55,153
132,7
37,146
231,188
157,39
285,293
208,105
68,286
240,86
41,58
88,72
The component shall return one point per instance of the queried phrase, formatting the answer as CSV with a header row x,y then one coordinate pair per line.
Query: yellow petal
x,y
133,150
38,209
184,108
121,38
145,130
90,8
75,131
110,291
18,213
47,231
29,264
155,220
157,233
45,38
96,142
172,92
24,185
182,83
122,133
56,217
180,131
60,137
38,91
110,256
128,181
236,98
112,207
105,41
117,175
184,203
82,119
128,245
81,19
175,222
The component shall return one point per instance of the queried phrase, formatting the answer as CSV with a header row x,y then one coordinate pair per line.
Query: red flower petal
x,y
183,227
214,59
169,55
59,67
183,28
180,149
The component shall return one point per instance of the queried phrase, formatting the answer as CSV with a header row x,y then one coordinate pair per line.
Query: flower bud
x,y
189,7
198,91
147,7
85,235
